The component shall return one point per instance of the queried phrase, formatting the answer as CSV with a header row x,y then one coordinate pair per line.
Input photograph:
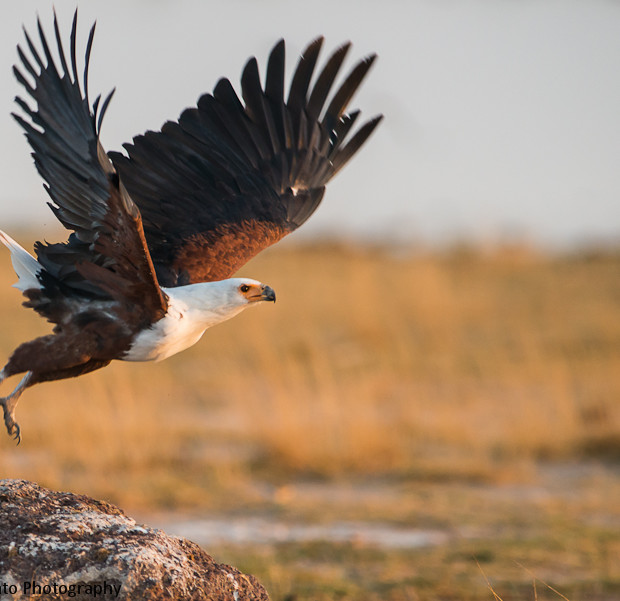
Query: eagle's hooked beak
x,y
268,294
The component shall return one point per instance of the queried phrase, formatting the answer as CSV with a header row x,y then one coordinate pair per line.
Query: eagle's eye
x,y
244,288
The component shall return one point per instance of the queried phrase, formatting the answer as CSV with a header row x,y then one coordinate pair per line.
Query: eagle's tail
x,y
25,265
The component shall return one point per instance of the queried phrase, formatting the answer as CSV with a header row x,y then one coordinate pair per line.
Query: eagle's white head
x,y
222,299
244,291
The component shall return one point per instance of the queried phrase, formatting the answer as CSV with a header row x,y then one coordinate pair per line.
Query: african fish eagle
x,y
157,232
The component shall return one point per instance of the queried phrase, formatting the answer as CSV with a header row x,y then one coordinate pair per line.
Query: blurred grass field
x,y
440,372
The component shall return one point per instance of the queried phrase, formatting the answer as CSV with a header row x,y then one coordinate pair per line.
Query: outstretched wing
x,y
230,177
106,255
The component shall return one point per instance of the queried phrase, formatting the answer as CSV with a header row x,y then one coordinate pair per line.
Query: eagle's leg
x,y
9,403
53,357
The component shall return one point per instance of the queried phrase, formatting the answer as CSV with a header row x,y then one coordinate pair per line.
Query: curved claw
x,y
8,404
12,427
17,433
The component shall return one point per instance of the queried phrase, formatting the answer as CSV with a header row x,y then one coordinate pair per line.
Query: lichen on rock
x,y
58,545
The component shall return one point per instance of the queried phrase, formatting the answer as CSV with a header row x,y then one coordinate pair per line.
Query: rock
x,y
57,545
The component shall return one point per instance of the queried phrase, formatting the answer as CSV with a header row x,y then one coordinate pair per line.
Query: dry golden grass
x,y
373,361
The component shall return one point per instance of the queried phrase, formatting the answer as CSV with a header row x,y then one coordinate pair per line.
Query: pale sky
x,y
502,117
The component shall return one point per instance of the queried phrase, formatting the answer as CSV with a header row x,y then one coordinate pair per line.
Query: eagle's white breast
x,y
175,332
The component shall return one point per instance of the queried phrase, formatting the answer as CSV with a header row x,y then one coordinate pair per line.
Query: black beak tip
x,y
269,294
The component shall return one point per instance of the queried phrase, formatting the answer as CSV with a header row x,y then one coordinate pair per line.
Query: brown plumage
x,y
157,232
